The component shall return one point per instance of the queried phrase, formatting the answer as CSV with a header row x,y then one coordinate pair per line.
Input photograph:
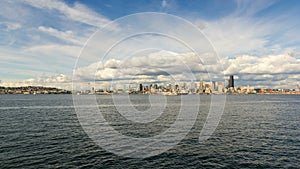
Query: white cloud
x,y
233,35
13,11
270,64
250,70
53,50
78,12
265,70
250,8
54,80
281,71
9,26
68,36
152,67
243,32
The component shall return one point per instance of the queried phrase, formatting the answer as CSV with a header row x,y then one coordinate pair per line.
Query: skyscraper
x,y
201,86
231,82
141,87
214,86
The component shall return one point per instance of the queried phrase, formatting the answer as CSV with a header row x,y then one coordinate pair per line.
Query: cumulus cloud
x,y
269,64
55,80
162,66
265,70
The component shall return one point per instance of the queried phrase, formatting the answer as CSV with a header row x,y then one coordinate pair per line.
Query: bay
x,y
255,131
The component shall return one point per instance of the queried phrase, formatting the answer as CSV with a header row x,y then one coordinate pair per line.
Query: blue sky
x,y
258,41
208,9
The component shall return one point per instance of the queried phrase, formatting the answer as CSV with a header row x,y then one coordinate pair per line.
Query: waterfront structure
x,y
32,90
245,90
220,87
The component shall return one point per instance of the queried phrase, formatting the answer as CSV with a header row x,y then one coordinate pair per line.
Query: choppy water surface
x,y
256,131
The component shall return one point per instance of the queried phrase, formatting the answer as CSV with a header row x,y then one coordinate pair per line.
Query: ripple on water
x,y
254,132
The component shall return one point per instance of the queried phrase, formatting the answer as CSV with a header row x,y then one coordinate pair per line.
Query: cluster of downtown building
x,y
184,88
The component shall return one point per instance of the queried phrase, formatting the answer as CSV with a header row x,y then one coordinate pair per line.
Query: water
x,y
256,131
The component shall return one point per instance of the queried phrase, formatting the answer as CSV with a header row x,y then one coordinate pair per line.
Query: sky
x,y
256,41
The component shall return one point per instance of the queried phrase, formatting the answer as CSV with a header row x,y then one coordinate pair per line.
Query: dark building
x,y
141,87
231,82
176,86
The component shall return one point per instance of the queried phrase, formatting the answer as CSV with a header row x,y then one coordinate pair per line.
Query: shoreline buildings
x,y
182,88
32,90
185,88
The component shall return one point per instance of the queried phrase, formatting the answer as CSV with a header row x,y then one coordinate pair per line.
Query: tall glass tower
x,y
231,82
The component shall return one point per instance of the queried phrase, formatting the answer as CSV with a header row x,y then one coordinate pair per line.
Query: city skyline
x,y
199,86
257,41
177,88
